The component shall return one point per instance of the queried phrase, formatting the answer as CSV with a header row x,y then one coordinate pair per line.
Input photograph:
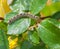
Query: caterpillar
x,y
23,15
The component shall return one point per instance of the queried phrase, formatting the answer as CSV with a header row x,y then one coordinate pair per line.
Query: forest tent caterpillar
x,y
23,15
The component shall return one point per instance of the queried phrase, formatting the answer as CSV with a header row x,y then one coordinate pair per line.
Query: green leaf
x,y
33,22
26,45
55,22
37,6
38,47
15,6
3,38
57,6
56,16
19,26
49,32
55,1
3,26
26,4
49,10
33,36
9,15
20,5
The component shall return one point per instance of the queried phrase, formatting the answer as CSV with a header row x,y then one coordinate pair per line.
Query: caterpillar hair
x,y
23,15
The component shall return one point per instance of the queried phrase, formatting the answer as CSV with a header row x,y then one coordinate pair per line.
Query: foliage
x,y
27,33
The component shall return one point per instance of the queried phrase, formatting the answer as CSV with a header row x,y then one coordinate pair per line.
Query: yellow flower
x,y
4,8
13,43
